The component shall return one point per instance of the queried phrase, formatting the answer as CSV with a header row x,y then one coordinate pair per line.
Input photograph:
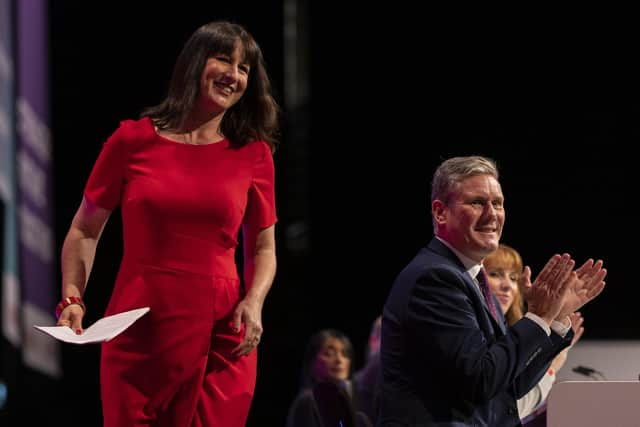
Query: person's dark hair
x,y
254,116
314,345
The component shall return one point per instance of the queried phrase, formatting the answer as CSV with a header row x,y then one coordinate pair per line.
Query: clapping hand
x,y
588,284
576,324
546,296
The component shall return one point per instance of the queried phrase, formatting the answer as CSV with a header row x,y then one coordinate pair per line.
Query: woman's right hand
x,y
72,316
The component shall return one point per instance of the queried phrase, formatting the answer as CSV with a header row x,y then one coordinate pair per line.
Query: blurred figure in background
x,y
3,394
327,397
366,379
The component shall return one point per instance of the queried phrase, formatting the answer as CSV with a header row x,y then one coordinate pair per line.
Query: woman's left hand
x,y
249,312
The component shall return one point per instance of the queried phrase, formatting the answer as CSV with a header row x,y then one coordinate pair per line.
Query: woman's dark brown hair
x,y
314,345
254,116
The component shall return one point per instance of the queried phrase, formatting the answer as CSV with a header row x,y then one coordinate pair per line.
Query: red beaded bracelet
x,y
66,302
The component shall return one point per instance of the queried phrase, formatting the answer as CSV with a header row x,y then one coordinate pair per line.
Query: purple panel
x,y
33,55
37,258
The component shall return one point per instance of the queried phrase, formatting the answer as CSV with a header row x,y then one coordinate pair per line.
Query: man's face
x,y
472,221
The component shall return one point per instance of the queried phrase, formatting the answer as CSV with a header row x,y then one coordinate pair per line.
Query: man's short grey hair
x,y
455,170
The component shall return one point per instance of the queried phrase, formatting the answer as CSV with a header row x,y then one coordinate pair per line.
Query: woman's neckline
x,y
157,133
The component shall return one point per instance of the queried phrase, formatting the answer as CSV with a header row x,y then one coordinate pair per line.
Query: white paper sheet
x,y
103,330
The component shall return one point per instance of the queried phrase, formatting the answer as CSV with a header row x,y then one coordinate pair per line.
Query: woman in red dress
x,y
187,175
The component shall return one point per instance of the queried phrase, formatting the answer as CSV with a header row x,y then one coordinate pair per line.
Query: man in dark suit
x,y
448,359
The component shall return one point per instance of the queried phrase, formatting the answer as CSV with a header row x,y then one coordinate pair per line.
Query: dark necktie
x,y
486,292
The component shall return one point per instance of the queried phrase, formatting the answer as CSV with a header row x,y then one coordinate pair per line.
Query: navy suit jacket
x,y
445,360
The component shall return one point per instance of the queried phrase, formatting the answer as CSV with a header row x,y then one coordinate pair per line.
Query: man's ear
x,y
439,211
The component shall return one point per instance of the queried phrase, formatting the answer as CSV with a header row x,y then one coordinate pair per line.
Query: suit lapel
x,y
500,323
497,325
438,247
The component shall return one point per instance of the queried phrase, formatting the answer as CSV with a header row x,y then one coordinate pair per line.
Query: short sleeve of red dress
x,y
105,185
261,204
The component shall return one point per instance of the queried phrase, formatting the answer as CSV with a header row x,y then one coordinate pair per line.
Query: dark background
x,y
395,90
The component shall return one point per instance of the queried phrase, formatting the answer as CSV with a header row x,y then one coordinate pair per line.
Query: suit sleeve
x,y
536,369
443,313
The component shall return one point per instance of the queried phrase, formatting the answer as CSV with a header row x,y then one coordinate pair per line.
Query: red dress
x,y
182,207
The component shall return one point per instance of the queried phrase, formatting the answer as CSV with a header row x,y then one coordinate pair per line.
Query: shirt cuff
x,y
560,328
539,321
